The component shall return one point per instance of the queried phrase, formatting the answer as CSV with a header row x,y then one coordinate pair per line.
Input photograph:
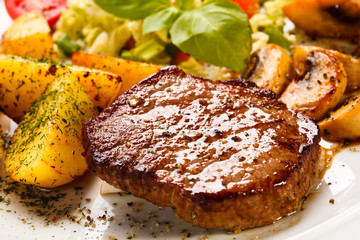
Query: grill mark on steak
x,y
231,152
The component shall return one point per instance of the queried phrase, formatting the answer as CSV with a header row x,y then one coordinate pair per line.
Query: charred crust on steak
x,y
228,151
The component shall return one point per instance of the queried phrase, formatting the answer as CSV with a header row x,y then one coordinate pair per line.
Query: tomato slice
x,y
249,6
50,8
181,57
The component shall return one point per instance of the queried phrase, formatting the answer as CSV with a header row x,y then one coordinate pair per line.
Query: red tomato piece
x,y
50,8
249,6
181,57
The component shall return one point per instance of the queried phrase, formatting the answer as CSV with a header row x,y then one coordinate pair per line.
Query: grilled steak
x,y
223,155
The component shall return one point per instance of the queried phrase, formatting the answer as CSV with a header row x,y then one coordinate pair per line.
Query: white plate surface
x,y
124,217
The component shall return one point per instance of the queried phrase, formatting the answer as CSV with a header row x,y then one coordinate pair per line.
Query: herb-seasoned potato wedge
x,y
319,86
23,80
2,142
343,123
131,72
270,68
315,20
46,147
29,36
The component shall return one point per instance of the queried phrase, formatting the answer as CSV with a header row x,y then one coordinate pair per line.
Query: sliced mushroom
x,y
270,68
330,3
350,63
317,21
319,85
343,123
352,69
356,53
347,11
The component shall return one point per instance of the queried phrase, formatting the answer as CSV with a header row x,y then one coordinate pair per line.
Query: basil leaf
x,y
67,45
132,9
184,4
277,37
218,32
162,20
171,49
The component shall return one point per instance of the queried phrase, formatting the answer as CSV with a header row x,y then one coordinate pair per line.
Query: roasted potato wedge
x,y
2,142
319,86
270,67
342,123
131,72
22,81
29,36
309,16
46,147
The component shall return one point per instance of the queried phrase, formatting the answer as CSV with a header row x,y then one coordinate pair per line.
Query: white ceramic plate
x,y
94,216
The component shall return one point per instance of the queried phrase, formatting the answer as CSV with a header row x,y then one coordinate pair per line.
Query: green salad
x,y
96,31
217,34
